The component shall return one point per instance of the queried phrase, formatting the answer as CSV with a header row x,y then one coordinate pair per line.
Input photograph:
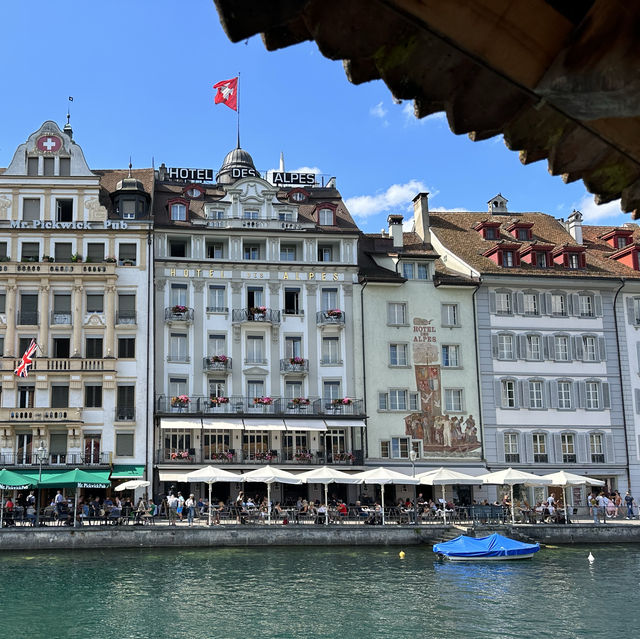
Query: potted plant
x,y
178,309
263,401
181,401
76,257
334,312
219,359
258,310
110,259
301,401
343,401
296,361
218,401
303,455
47,258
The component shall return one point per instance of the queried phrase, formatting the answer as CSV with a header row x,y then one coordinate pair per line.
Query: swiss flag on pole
x,y
227,93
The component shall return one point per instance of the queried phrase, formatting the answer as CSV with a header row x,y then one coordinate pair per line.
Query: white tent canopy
x,y
327,475
445,477
270,475
210,475
132,484
564,479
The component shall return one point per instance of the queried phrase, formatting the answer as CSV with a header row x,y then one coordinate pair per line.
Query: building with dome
x,y
254,308
74,256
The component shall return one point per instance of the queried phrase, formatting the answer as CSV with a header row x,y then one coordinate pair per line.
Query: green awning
x,y
10,480
127,471
75,477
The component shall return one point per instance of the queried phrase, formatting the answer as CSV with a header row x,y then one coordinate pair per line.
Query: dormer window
x,y
507,258
618,238
521,230
538,255
298,195
503,254
193,192
489,230
325,217
178,211
572,257
491,233
573,260
541,259
628,255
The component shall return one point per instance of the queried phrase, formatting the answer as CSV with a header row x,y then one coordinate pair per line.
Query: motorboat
x,y
492,548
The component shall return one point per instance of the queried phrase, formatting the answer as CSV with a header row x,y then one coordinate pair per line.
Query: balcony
x,y
180,358
330,318
217,363
294,366
40,414
267,316
239,405
27,318
178,313
63,364
217,309
125,414
45,268
126,317
57,460
58,318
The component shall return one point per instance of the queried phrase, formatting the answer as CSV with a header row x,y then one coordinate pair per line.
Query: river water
x,y
342,593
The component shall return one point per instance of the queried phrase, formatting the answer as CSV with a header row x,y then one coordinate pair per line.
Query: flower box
x,y
296,361
344,401
180,455
180,401
334,312
301,401
219,359
303,456
178,308
263,401
218,401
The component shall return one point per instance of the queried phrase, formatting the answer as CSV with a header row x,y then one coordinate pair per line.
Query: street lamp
x,y
42,453
412,458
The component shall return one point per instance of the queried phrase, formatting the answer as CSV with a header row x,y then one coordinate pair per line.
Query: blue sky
x,y
141,73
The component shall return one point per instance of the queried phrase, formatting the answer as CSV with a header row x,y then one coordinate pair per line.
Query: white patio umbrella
x,y
564,479
210,475
383,476
132,484
327,475
269,475
510,477
446,477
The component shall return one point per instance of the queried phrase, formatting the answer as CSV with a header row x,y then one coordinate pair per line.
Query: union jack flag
x,y
27,360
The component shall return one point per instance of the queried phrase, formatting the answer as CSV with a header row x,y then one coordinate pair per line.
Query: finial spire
x,y
130,166
281,168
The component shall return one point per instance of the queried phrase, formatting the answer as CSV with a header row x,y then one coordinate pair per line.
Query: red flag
x,y
227,93
26,361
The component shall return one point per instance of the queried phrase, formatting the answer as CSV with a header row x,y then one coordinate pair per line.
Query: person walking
x,y
172,505
180,506
628,502
593,502
190,505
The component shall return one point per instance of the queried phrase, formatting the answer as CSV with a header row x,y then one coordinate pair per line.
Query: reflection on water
x,y
328,593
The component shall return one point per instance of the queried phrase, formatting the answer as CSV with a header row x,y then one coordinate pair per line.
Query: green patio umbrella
x,y
11,481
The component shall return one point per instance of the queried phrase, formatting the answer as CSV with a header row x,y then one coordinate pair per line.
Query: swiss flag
x,y
227,93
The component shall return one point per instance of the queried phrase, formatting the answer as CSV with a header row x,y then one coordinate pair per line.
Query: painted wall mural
x,y
442,435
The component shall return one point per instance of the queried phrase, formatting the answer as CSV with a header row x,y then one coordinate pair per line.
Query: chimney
x,y
574,226
421,215
395,230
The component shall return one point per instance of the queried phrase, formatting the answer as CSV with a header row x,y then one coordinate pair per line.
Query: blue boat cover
x,y
492,546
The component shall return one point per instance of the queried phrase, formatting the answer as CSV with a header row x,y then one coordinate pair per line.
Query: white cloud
x,y
306,169
592,212
397,196
407,225
410,118
378,111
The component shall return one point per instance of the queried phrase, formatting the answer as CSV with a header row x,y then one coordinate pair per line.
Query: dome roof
x,y
238,159
130,184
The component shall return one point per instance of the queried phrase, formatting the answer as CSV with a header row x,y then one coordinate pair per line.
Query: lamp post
x,y
42,452
412,458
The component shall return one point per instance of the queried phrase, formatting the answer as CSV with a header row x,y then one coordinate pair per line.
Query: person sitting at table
x,y
8,505
321,514
342,508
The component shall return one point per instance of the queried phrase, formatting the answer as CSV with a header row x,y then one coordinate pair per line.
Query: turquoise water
x,y
296,592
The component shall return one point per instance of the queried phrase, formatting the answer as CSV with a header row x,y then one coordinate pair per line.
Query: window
x,y
254,296
59,396
331,390
30,251
567,441
93,347
449,314
573,260
215,215
215,251
490,233
541,259
217,388
450,356
396,313
328,299
561,348
636,310
178,212
292,301
535,394
287,253
522,235
49,166
564,395
593,395
217,299
596,448
325,217
330,350
540,455
95,252
3,250
255,388
177,248
126,308
396,447
127,253
124,444
32,166
507,259
285,216
65,167
251,252
511,454
177,348
250,215
61,308
533,347
558,304
30,209
28,310
503,303
397,399
325,253
93,396
292,346
127,347
585,304
531,304
508,393
505,346
128,209
3,302
217,344
407,270
62,252
255,349
423,271
64,210
61,347
178,295
589,349
398,355
125,402
453,400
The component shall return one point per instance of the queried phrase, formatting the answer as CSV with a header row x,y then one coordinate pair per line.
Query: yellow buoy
x,y
401,554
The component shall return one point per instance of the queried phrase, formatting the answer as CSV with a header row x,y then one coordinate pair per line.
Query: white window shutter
x,y
631,316
581,447
528,448
636,394
497,389
582,394
547,303
444,320
524,393
602,349
551,347
557,447
522,343
553,393
492,302
638,353
597,303
545,347
541,304
500,445
606,396
494,345
609,452
519,308
577,346
575,304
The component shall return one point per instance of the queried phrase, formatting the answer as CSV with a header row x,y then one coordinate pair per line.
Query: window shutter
x,y
553,393
602,349
444,320
609,452
577,346
606,396
497,389
522,343
524,393
545,347
597,304
582,394
500,445
631,316
528,438
575,396
494,345
492,302
575,304
638,353
547,303
519,308
636,393
570,348
557,448
581,447
541,304
551,347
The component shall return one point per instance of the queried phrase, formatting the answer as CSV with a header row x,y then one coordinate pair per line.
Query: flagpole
x,y
238,107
